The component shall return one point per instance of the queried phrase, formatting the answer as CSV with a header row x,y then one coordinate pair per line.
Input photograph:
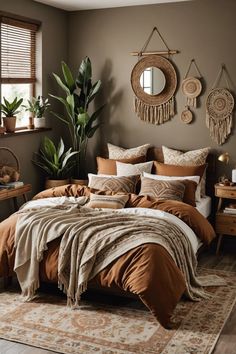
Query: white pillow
x,y
128,169
172,178
117,152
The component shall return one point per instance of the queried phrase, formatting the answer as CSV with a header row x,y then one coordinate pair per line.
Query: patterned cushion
x,y
108,166
116,152
190,158
113,183
190,182
173,190
127,169
107,201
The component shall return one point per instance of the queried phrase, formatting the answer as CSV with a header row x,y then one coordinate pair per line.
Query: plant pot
x,y
9,123
82,182
51,183
39,123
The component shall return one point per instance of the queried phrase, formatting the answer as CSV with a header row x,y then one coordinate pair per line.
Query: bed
x,y
133,271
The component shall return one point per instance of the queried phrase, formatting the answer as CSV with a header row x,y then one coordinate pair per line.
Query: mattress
x,y
204,206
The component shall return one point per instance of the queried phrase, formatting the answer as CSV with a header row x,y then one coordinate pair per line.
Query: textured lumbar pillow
x,y
127,169
125,184
172,190
117,152
107,201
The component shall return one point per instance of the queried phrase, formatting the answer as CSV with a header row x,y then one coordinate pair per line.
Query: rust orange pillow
x,y
176,170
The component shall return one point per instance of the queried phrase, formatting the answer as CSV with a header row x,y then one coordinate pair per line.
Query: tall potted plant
x,y
10,109
79,92
55,162
38,106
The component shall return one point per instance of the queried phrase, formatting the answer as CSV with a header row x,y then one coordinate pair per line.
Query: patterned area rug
x,y
124,328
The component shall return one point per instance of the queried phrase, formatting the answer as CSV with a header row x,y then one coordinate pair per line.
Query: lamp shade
x,y
224,157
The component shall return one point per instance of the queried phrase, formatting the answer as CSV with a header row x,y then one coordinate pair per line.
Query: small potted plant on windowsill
x,y
38,106
10,109
55,162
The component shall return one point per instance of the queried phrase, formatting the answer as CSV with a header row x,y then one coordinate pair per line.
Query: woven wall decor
x,y
219,110
191,86
154,106
186,116
155,109
219,107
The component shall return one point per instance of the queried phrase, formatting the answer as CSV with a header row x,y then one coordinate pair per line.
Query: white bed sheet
x,y
204,206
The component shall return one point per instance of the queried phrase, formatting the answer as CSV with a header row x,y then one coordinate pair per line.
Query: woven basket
x,y
8,158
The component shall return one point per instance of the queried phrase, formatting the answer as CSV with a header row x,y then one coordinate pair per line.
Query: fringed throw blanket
x,y
92,239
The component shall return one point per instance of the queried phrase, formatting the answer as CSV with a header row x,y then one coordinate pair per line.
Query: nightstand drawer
x,y
225,193
225,224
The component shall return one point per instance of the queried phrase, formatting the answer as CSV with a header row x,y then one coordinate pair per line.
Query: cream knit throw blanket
x,y
92,239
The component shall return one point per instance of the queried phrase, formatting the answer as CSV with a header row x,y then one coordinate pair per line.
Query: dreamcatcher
x,y
219,110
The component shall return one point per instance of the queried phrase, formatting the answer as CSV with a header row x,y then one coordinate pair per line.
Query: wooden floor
x,y
227,340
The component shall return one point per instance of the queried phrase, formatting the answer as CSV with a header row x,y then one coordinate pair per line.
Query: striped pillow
x,y
172,190
107,201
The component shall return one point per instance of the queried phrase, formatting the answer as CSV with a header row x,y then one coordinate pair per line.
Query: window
x,y
18,60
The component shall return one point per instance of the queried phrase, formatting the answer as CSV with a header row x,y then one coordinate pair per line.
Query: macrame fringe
x,y
192,102
220,129
154,114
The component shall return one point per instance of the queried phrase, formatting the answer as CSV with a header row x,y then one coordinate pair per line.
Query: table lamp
x,y
225,159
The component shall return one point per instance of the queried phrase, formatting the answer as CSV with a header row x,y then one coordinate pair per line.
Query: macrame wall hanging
x,y
154,81
219,109
191,88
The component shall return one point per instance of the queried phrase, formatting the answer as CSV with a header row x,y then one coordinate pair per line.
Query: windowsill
x,y
24,132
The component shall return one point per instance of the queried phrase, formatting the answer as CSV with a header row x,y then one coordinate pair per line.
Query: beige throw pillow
x,y
125,184
172,190
117,152
127,169
107,201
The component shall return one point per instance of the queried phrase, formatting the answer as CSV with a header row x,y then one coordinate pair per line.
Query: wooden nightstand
x,y
14,193
225,223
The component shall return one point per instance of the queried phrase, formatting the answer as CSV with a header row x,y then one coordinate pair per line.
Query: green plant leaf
x,y
60,148
94,90
91,132
67,157
70,82
59,117
61,84
49,147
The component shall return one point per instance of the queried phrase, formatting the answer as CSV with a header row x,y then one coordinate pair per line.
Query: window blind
x,y
18,51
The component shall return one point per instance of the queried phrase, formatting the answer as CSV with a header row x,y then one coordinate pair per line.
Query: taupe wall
x,y
204,30
54,49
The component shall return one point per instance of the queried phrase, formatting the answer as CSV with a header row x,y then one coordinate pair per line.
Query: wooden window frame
x,y
27,23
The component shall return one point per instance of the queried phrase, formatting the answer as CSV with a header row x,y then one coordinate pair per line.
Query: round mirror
x,y
152,80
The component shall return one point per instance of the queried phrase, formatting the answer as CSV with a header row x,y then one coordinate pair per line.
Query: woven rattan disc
x,y
168,70
220,103
186,116
191,87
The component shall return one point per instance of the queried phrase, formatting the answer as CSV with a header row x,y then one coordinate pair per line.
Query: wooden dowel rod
x,y
155,52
